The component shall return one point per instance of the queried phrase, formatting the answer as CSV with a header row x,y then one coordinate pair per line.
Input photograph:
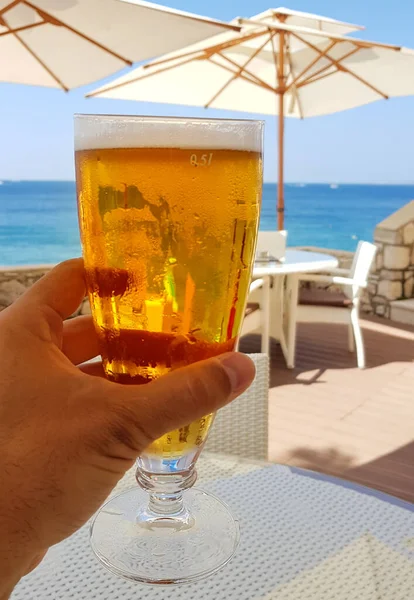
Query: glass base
x,y
164,549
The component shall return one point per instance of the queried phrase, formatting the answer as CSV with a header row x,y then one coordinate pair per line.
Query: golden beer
x,y
168,236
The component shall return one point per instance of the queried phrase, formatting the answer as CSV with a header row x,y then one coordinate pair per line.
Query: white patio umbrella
x,y
275,65
68,43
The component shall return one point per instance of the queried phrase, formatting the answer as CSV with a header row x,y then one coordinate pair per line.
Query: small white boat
x,y
334,186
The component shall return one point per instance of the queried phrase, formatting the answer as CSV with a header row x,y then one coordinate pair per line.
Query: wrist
x,y
10,575
12,568
16,558
6,589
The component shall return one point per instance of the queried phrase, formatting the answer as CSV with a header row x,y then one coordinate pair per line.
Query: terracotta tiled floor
x,y
329,416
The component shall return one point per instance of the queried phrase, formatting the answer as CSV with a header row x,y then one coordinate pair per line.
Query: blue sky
x,y
371,144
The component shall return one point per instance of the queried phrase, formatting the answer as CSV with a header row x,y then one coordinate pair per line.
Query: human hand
x,y
67,436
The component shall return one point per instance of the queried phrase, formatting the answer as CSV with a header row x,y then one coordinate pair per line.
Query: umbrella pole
x,y
280,179
281,131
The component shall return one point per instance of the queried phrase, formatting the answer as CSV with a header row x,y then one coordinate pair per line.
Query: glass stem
x,y
166,492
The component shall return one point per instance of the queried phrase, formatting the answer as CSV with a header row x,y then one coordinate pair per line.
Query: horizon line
x,y
298,182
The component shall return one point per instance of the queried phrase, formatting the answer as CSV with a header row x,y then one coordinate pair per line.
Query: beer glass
x,y
168,213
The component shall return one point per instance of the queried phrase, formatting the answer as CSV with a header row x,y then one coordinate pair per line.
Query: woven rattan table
x,y
304,536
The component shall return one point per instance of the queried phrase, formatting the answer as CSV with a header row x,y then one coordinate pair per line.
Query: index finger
x,y
80,341
62,290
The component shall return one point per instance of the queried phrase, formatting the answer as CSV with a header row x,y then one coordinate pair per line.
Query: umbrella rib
x,y
315,76
364,82
275,59
312,64
55,21
252,77
318,78
237,74
209,50
259,83
9,6
19,29
293,86
139,78
341,67
235,41
34,55
157,63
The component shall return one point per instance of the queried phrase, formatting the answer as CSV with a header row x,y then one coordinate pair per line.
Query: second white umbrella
x,y
274,67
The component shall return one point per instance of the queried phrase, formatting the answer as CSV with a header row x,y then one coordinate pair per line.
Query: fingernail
x,y
239,368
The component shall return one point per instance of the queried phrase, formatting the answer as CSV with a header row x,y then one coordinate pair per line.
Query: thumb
x,y
184,395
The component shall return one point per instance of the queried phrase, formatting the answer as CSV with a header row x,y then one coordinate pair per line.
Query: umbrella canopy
x,y
68,43
275,65
304,19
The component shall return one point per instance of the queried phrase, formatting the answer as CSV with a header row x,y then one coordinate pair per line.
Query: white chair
x,y
257,313
322,306
241,427
271,244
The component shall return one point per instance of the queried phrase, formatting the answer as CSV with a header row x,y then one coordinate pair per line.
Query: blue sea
x,y
38,219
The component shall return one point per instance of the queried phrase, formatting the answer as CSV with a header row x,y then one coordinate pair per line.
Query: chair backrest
x,y
241,427
364,256
272,243
361,265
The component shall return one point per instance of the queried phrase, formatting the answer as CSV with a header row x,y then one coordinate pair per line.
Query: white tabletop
x,y
296,261
304,536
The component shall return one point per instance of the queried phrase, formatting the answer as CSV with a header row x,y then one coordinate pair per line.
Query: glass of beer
x,y
168,213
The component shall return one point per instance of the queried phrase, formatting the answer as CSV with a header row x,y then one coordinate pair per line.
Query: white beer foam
x,y
98,132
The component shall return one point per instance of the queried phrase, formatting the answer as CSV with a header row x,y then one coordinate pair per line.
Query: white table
x,y
304,536
284,300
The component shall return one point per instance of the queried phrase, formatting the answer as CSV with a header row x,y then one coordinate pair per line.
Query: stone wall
x,y
393,276
14,281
